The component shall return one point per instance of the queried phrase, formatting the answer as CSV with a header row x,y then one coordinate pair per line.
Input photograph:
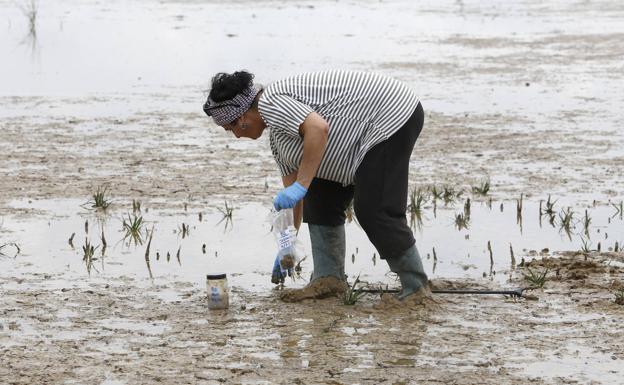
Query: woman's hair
x,y
226,86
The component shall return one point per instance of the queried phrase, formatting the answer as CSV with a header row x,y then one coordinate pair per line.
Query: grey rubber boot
x,y
410,270
328,251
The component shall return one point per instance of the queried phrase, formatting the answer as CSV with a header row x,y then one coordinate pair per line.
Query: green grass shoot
x,y
133,227
99,199
418,197
586,245
619,296
566,217
353,294
88,252
482,188
461,221
536,279
227,212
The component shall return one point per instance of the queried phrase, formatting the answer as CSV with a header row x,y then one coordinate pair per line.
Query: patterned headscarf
x,y
227,111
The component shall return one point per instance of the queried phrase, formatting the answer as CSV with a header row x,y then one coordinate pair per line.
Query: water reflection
x,y
30,10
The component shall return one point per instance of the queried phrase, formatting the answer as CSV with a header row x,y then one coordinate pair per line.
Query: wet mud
x,y
117,332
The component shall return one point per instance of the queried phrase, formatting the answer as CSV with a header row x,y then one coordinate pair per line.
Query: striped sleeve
x,y
285,113
284,166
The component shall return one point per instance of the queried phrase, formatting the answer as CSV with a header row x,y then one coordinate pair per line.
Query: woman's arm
x,y
298,209
315,132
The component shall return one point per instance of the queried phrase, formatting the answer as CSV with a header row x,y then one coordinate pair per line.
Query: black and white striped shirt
x,y
362,110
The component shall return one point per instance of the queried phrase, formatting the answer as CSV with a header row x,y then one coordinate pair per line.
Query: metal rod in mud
x,y
513,293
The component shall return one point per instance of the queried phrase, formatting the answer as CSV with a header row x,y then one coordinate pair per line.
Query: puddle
x,y
244,248
582,362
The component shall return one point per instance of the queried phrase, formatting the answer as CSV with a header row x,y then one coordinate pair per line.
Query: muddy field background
x,y
527,93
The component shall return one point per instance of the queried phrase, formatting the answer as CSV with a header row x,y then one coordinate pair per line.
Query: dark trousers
x,y
379,194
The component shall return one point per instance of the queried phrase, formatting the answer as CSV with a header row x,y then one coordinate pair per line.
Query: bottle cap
x,y
215,276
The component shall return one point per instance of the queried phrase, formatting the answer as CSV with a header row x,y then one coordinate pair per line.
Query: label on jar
x,y
218,296
215,295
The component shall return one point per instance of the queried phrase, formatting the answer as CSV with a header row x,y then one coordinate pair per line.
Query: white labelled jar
x,y
218,293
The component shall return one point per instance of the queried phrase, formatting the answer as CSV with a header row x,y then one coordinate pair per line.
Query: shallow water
x,y
245,247
483,53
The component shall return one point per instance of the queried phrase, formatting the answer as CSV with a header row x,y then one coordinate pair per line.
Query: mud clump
x,y
572,267
323,287
418,300
287,262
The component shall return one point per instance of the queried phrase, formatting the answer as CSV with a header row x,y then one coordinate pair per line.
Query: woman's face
x,y
245,127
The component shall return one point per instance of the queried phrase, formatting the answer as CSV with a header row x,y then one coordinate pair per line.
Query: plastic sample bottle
x,y
218,293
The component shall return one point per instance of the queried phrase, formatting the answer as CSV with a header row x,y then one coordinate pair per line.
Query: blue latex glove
x,y
279,275
288,197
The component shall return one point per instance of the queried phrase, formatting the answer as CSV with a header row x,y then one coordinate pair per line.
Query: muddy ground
x,y
114,332
538,113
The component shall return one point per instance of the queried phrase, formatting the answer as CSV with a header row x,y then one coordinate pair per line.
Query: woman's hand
x,y
288,197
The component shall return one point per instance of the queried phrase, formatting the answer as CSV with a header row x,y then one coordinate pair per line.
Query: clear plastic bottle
x,y
218,293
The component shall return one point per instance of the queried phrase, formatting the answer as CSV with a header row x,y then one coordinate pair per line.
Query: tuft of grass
x,y
536,279
133,227
227,212
353,294
586,245
418,198
136,206
482,188
436,194
99,199
550,206
619,296
549,210
88,252
30,9
461,221
566,217
449,194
